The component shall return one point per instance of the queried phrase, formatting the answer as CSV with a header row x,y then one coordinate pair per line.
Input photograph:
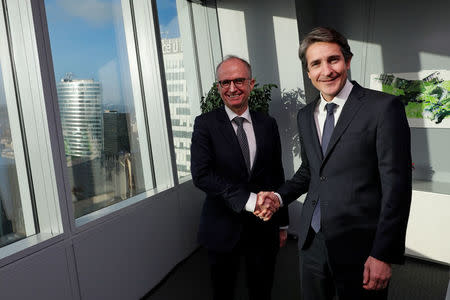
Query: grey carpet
x,y
416,280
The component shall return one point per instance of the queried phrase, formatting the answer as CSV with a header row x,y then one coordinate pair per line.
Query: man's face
x,y
327,68
235,97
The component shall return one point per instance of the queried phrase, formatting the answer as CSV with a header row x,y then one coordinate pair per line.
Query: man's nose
x,y
232,86
327,69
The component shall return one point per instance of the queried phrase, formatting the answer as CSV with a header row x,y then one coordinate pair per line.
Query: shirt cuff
x,y
279,198
251,203
284,227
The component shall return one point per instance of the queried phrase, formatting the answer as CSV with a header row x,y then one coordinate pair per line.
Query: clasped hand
x,y
267,203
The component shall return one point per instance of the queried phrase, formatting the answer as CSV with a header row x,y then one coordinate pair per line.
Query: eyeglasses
x,y
238,82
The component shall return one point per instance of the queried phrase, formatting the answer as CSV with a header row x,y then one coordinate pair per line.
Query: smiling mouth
x,y
330,79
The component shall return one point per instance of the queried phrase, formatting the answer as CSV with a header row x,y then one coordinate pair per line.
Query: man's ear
x,y
252,83
347,63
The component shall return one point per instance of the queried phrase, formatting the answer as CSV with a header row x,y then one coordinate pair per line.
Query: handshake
x,y
267,203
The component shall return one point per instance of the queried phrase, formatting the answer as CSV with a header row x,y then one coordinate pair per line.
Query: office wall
x,y
120,258
43,275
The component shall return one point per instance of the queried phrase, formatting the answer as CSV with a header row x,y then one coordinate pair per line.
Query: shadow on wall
x,y
262,33
292,101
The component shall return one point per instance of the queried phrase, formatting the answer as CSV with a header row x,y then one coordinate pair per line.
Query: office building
x,y
115,133
80,105
180,113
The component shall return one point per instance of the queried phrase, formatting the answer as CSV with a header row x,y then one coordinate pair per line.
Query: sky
x,y
87,40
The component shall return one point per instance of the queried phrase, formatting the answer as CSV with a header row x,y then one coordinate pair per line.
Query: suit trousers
x,y
259,269
319,282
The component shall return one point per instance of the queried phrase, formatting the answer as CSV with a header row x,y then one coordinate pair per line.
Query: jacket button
x,y
314,202
322,178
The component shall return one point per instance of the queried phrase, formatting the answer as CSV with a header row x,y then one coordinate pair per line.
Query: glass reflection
x,y
180,112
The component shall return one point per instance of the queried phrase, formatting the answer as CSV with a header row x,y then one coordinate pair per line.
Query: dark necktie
x,y
328,128
242,138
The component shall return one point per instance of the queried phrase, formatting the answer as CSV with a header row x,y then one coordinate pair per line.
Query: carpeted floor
x,y
416,280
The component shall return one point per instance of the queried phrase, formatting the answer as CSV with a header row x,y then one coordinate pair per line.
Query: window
x,y
100,102
190,54
108,99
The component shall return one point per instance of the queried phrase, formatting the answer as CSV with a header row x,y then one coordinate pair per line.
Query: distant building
x,y
80,104
116,140
180,113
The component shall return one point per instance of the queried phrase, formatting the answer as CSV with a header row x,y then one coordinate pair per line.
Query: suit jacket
x,y
218,168
363,181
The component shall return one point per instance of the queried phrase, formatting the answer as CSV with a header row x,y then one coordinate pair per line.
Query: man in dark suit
x,y
356,168
236,153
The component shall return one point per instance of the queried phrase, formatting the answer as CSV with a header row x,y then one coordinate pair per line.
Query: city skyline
x,y
88,43
87,40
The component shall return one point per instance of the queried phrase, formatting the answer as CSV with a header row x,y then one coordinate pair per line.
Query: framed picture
x,y
426,95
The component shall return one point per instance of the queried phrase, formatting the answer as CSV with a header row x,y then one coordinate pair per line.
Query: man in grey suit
x,y
356,168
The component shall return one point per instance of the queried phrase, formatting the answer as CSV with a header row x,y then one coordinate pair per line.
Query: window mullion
x,y
136,86
32,103
16,132
155,107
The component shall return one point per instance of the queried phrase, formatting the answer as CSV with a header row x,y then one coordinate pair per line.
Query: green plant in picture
x,y
426,98
258,101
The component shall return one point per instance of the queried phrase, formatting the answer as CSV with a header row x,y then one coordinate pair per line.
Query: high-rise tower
x,y
180,113
80,105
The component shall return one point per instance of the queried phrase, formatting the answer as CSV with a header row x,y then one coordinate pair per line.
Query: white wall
x,y
428,229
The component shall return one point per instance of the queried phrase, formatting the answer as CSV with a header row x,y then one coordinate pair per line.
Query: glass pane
x,y
180,113
96,102
12,225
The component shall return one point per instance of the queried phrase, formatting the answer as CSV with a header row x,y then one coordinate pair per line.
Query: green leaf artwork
x,y
426,94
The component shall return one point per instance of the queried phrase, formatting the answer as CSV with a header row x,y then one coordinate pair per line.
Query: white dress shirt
x,y
320,113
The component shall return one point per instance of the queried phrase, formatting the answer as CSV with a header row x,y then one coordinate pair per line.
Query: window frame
x,y
34,152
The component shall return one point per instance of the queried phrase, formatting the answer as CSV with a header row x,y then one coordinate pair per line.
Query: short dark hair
x,y
327,35
228,57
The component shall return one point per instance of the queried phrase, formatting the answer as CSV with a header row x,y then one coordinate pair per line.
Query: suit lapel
x,y
225,126
351,107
